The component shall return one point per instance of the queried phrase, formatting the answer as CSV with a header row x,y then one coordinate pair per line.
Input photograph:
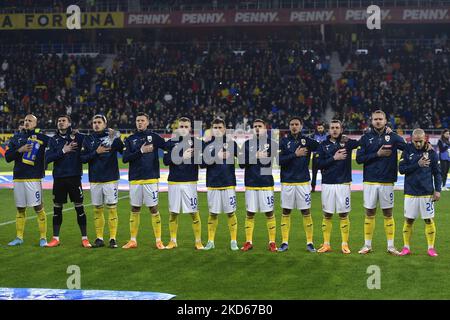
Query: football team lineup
x,y
377,150
280,203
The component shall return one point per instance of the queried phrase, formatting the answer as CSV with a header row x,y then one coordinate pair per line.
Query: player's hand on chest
x,y
293,145
422,158
137,143
331,148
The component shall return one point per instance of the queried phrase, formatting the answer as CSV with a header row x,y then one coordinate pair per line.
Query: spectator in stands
x,y
444,156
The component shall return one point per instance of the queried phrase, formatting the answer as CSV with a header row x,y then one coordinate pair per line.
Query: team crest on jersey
x,y
190,143
303,141
370,140
266,147
289,145
149,139
72,137
225,146
411,156
425,155
342,144
387,138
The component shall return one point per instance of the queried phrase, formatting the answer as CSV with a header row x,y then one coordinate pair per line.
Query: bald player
x,y
27,150
423,184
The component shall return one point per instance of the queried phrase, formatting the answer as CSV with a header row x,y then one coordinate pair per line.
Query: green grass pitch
x,y
221,273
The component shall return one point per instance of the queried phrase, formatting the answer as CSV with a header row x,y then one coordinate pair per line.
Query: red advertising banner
x,y
285,17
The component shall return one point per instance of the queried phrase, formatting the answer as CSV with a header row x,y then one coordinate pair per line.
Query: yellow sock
x,y
407,232
369,227
113,221
345,229
285,227
430,231
135,218
197,226
213,220
249,226
389,228
156,224
232,226
42,223
272,228
173,226
308,226
327,225
20,223
99,222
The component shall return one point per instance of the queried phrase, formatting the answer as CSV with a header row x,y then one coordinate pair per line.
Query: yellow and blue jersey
x,y
379,169
28,166
336,171
295,169
258,172
102,167
420,181
181,170
65,164
219,173
143,166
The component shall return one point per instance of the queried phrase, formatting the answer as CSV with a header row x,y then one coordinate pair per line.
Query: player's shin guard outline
x,y
271,228
430,232
113,220
197,226
156,224
20,222
249,226
135,218
389,228
57,218
369,227
308,227
407,233
327,225
345,229
213,220
99,221
81,219
285,227
42,223
173,226
232,226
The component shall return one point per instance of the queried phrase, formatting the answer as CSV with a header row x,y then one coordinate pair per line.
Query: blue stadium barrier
x,y
64,294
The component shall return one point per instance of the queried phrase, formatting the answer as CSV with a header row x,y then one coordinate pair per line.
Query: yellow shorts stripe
x,y
27,180
146,181
296,183
259,188
222,188
379,183
411,196
107,182
181,182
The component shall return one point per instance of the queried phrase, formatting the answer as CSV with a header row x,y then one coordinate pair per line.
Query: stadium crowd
x,y
272,81
410,83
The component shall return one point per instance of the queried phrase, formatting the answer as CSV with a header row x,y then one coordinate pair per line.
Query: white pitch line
x,y
49,213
